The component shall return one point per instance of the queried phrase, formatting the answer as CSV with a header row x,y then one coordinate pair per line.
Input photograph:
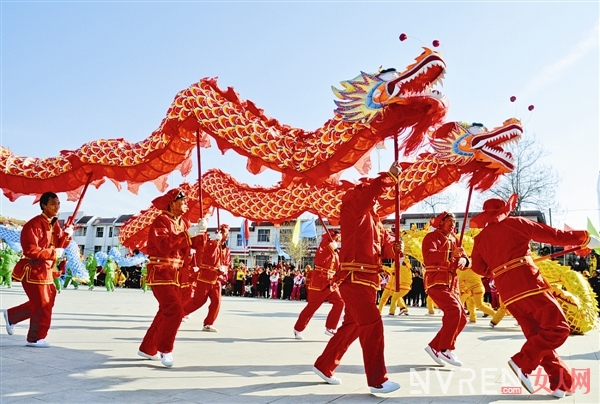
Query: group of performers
x,y
186,267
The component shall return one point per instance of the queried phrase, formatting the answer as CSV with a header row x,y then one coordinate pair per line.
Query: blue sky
x,y
72,72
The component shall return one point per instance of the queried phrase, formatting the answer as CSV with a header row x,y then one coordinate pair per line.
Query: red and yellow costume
x,y
364,244
471,293
168,246
320,288
39,238
215,255
502,250
390,288
442,286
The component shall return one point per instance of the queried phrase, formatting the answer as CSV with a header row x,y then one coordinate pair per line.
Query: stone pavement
x,y
254,359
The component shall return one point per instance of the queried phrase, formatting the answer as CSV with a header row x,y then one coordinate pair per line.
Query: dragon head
x,y
390,102
477,151
364,97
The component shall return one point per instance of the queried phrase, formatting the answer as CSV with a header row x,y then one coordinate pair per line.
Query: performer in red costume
x,y
169,242
366,243
43,243
442,258
321,288
215,260
502,250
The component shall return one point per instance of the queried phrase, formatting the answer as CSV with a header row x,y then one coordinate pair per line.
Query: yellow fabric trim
x,y
501,269
525,294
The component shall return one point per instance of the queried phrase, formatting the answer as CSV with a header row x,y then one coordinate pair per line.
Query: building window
x,y
110,232
261,260
420,225
82,231
264,235
108,248
81,249
97,248
238,241
116,231
99,231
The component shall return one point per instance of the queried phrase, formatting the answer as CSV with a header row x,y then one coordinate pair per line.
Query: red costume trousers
x,y
214,294
315,299
545,329
362,320
38,310
453,320
160,337
202,292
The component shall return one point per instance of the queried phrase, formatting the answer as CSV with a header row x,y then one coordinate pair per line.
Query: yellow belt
x,y
174,262
507,266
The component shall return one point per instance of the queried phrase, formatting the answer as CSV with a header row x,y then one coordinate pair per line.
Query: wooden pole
x,y
397,236
464,226
71,219
199,173
558,254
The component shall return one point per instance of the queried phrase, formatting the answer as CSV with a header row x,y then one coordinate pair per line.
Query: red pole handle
x,y
397,221
462,231
71,218
199,173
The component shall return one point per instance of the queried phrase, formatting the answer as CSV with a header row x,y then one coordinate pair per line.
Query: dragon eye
x,y
463,142
388,76
474,130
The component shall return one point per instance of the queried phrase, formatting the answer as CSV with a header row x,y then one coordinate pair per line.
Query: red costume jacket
x,y
214,254
440,267
514,272
39,239
168,246
327,263
365,242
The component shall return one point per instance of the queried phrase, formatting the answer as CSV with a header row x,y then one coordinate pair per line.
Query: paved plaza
x,y
254,359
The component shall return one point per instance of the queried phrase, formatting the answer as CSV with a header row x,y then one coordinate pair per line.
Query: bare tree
x,y
295,251
534,181
444,199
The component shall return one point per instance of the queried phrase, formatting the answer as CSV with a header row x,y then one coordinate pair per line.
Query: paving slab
x,y
254,357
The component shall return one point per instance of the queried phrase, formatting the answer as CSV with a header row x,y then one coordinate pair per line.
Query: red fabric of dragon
x,y
370,108
458,151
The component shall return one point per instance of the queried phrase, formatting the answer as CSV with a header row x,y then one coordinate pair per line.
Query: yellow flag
x,y
296,233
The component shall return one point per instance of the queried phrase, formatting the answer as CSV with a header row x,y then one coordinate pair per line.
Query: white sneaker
x,y
330,332
403,311
40,343
298,335
448,356
387,387
524,378
167,359
429,314
185,318
329,380
10,328
558,393
434,355
155,357
492,324
209,328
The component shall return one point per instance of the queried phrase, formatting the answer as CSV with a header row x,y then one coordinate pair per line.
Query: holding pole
x,y
199,173
71,219
397,221
462,231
